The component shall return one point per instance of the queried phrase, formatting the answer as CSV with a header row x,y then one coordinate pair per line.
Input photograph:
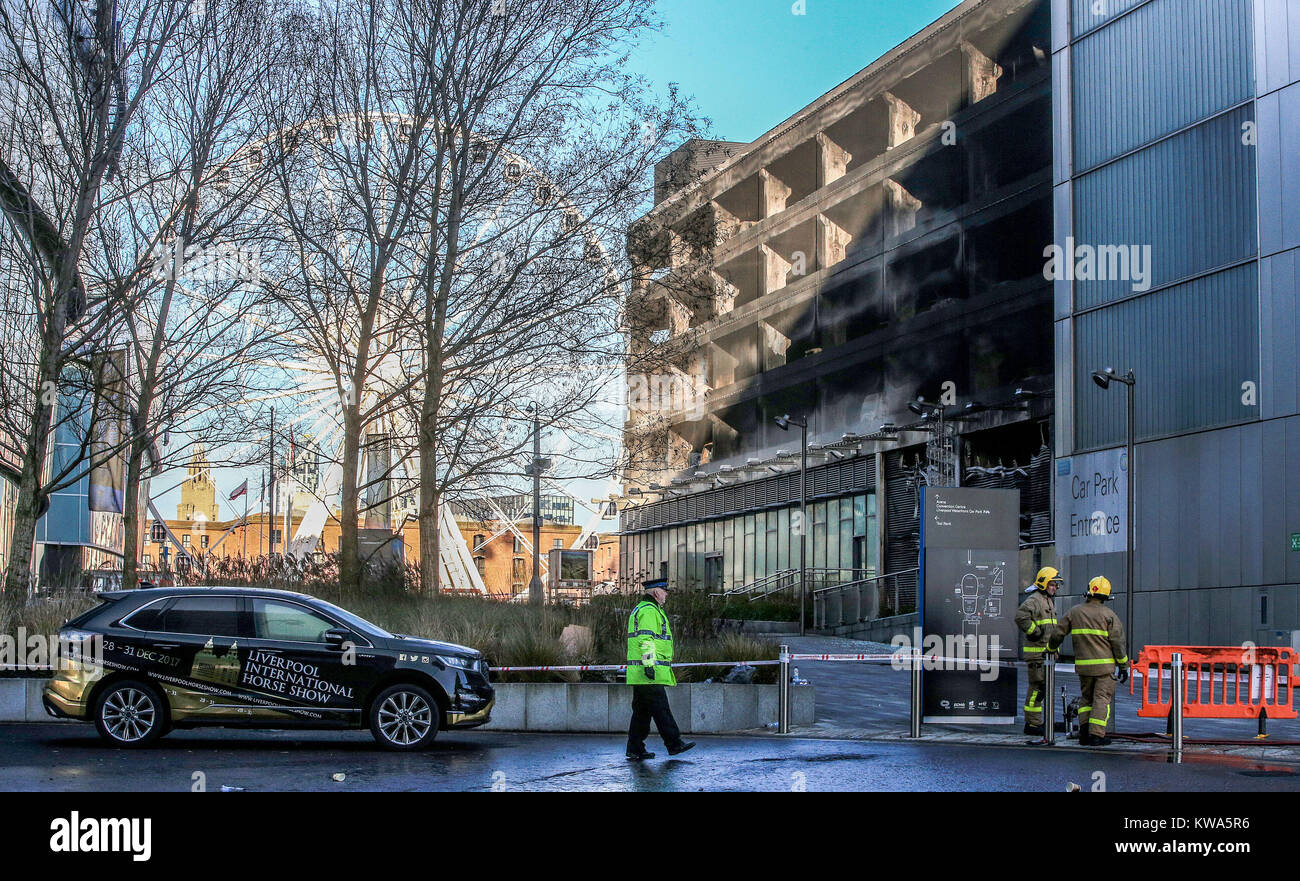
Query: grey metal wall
x,y
1205,96
1192,347
1188,198
1214,519
1161,67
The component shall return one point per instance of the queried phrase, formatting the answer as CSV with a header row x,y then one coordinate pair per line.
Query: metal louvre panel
x,y
902,520
1188,201
836,478
1192,346
1088,14
1128,93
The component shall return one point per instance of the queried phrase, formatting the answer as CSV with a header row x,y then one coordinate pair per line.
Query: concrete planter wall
x,y
20,701
698,707
877,630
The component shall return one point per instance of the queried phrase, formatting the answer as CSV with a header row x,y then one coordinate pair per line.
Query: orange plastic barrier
x,y
1219,682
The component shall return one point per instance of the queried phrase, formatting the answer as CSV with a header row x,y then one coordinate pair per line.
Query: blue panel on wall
x,y
1176,209
1192,347
1126,91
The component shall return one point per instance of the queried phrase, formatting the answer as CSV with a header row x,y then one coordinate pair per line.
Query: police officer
x,y
1036,619
649,654
1098,652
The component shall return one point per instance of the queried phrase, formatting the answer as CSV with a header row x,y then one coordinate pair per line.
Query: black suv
x,y
147,661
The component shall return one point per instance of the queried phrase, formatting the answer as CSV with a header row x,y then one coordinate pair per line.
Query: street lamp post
x,y
1103,378
535,469
784,423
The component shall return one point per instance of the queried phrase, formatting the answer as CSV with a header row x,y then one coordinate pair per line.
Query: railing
x,y
863,599
782,579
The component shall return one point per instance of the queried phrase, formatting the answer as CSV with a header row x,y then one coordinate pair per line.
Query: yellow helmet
x,y
1046,574
1099,587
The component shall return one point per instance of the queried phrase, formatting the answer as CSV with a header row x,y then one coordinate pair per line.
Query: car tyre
x,y
131,714
404,717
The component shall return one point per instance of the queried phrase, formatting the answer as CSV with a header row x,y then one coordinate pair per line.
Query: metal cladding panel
x,y
1128,93
1086,15
1279,390
1179,208
1192,347
1063,223
1279,174
1062,158
832,479
1277,44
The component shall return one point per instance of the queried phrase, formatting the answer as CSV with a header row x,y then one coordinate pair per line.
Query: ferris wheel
x,y
310,393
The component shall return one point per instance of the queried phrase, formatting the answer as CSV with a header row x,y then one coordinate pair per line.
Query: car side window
x,y
148,617
202,616
290,622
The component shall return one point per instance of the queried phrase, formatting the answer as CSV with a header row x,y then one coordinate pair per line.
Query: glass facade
x,y
728,552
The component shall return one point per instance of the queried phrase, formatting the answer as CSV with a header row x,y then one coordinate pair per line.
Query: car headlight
x,y
458,662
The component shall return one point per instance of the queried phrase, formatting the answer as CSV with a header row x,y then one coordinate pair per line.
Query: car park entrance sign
x,y
969,596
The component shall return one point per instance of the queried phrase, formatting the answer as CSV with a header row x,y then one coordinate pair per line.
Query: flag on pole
x,y
239,490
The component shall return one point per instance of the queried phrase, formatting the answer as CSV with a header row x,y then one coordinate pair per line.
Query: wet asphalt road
x,y
70,758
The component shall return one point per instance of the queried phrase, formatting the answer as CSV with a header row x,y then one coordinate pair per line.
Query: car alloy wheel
x,y
405,718
130,715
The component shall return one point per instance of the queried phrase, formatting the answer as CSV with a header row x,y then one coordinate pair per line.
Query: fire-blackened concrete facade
x,y
883,245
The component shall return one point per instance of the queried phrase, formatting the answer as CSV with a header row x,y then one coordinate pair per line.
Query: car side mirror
x,y
336,637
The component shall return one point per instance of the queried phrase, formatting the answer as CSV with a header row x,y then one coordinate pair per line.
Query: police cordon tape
x,y
898,657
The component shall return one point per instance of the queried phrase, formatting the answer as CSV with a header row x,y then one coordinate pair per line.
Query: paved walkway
x,y
872,701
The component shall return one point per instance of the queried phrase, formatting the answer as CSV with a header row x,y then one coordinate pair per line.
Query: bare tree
x,y
542,147
186,266
72,78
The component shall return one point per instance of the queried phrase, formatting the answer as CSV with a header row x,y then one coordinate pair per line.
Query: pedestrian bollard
x,y
783,694
914,729
1176,704
1049,705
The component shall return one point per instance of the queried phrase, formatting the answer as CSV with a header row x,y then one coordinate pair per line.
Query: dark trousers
x,y
651,702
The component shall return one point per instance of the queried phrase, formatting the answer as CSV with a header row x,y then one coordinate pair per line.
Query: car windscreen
x,y
356,622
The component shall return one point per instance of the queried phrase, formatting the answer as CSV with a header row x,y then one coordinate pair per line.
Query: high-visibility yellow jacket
x,y
649,644
1036,619
1098,638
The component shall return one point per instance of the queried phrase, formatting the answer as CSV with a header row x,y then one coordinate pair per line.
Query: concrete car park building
x,y
882,245
1018,196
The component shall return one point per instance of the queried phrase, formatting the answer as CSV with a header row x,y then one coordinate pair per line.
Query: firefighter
x,y
1036,619
1098,652
649,656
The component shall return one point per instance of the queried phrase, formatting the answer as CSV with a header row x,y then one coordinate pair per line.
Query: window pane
x,y
289,622
203,616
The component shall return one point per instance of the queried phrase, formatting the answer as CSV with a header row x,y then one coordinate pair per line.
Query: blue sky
x,y
752,63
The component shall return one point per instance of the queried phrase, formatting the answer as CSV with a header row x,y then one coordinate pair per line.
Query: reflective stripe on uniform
x,y
649,633
1084,663
1035,648
1033,706
1090,631
1103,722
1042,621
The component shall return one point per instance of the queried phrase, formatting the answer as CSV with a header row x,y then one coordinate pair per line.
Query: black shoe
x,y
1034,729
681,748
1093,740
1085,739
639,757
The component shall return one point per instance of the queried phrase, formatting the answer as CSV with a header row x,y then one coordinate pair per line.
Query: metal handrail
x,y
755,585
862,581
